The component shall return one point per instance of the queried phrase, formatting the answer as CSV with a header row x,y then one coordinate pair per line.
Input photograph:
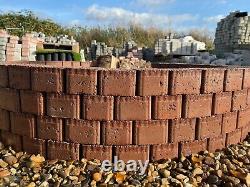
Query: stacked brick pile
x,y
232,32
3,43
29,44
13,49
68,113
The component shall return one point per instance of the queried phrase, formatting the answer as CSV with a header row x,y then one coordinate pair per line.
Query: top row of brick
x,y
142,82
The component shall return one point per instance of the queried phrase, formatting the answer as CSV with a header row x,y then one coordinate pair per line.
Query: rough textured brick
x,y
193,147
239,100
65,106
210,127
152,82
9,100
222,103
133,108
182,130
117,132
164,151
62,150
233,79
19,77
216,143
31,102
67,63
117,82
185,81
49,128
98,107
98,152
132,152
213,80
245,132
34,146
22,124
54,63
243,118
150,132
198,105
229,122
248,98
46,79
10,139
4,120
246,80
82,81
233,137
4,82
83,132
167,107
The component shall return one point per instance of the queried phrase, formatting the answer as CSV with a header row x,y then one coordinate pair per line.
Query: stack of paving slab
x,y
100,49
29,47
181,46
233,32
3,42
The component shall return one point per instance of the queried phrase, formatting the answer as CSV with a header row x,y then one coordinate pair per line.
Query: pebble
x,y
229,167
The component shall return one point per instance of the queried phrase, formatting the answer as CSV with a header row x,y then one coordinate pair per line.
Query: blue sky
x,y
165,14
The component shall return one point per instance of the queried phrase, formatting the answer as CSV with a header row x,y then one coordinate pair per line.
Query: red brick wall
x,y
68,111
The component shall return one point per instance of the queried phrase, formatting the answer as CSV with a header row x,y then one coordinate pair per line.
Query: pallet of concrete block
x,y
3,41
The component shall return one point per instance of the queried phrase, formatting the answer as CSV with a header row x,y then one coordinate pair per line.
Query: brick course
x,y
233,79
19,77
222,102
239,100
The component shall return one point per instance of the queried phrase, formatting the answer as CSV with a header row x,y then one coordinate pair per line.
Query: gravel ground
x,y
229,167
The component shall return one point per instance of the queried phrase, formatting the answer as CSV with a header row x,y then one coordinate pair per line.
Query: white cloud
x,y
222,1
150,3
114,15
214,19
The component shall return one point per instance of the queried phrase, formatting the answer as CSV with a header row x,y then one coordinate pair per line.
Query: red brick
x,y
216,143
210,127
13,140
150,132
83,132
213,80
65,106
132,152
233,79
246,80
245,132
46,79
239,100
233,137
179,126
9,100
193,147
81,81
4,120
67,63
152,82
62,150
98,107
98,152
76,64
54,63
248,98
164,151
133,108
185,81
34,146
167,107
243,119
4,76
117,132
49,128
22,124
229,122
31,102
198,106
19,77
222,103
117,82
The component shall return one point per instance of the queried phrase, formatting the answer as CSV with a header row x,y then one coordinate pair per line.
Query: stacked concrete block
x,y
233,32
13,49
29,44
